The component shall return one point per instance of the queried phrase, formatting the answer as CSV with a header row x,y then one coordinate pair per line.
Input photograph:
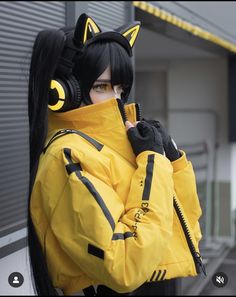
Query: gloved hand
x,y
144,137
170,147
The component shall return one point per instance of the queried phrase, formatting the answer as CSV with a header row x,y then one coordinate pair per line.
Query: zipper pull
x,y
200,263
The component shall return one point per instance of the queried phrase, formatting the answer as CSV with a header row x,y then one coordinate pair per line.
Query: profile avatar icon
x,y
15,279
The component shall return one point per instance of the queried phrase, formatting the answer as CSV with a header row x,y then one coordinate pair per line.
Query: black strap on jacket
x,y
63,132
89,291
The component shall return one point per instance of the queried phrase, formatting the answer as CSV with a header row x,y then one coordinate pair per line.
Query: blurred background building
x,y
185,74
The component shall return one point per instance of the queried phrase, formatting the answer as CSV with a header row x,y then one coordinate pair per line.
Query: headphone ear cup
x,y
76,97
64,94
57,94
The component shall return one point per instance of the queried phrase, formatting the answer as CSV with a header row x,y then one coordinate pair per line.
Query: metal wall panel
x,y
108,14
20,21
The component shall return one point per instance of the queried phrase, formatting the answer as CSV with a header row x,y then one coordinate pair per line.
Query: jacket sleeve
x,y
186,190
115,244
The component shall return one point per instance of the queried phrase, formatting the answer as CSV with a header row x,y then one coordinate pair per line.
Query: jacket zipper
x,y
123,113
138,111
196,256
122,110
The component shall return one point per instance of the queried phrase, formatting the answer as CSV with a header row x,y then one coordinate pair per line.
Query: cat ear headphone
x,y
65,92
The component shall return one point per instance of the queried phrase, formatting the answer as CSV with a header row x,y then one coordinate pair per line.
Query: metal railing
x,y
198,154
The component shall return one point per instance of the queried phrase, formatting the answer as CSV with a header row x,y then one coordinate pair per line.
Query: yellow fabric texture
x,y
105,216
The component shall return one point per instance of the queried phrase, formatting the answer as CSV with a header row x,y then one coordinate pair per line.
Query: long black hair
x,y
89,64
47,50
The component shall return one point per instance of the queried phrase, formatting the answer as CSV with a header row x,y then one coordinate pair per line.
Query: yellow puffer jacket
x,y
104,216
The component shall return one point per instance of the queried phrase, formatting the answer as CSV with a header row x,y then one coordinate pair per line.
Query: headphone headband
x,y
114,36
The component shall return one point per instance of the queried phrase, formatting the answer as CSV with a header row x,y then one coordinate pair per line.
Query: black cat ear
x,y
130,31
85,29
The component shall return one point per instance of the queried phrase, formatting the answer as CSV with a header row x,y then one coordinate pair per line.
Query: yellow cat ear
x,y
130,32
91,28
85,29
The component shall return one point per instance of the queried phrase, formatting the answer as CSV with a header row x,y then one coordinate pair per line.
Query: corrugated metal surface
x,y
19,23
108,14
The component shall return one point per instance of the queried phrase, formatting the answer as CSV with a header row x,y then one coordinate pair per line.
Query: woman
x,y
102,187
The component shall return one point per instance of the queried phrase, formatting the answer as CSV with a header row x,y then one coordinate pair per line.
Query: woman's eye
x,y
100,87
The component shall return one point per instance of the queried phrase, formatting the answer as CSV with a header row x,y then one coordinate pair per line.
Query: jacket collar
x,y
103,121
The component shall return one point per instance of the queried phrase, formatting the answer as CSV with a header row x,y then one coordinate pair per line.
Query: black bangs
x,y
121,68
94,61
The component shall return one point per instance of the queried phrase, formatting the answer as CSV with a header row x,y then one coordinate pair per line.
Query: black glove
x,y
145,137
170,148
